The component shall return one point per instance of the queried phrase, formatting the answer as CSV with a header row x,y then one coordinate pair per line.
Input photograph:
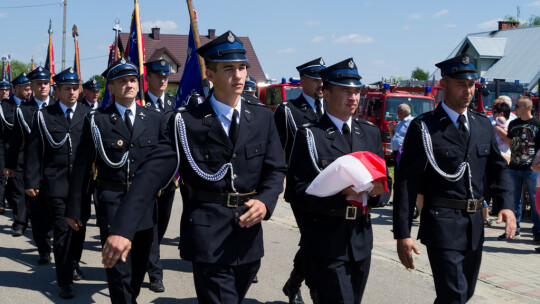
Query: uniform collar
x,y
311,101
40,102
453,114
93,105
154,98
222,109
121,109
17,100
64,107
339,123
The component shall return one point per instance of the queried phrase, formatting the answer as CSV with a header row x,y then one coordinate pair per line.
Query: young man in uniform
x,y
337,237
40,85
4,89
450,172
157,79
49,155
91,90
116,140
221,233
13,191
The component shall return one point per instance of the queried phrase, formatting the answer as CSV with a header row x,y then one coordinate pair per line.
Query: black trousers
x,y
125,278
41,224
64,240
455,273
164,207
216,283
3,179
14,194
338,281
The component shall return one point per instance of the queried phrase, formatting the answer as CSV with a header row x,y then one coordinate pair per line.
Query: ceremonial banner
x,y
135,49
190,82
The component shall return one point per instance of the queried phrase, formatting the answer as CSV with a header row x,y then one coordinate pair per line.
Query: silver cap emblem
x,y
351,64
230,38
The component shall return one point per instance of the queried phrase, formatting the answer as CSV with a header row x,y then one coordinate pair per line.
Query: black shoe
x,y
17,231
255,279
2,210
44,259
294,295
77,273
536,237
503,236
66,292
157,286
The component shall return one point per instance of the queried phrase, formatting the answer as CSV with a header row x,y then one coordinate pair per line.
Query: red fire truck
x,y
274,94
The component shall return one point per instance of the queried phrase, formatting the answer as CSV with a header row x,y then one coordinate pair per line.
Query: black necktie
x,y
68,112
318,107
160,104
233,130
127,120
347,133
463,128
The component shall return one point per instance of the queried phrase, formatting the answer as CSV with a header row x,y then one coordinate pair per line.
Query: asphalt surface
x,y
23,281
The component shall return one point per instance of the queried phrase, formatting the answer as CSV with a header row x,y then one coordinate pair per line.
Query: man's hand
x,y
350,191
391,126
254,215
404,247
115,247
378,188
9,172
76,224
508,216
31,192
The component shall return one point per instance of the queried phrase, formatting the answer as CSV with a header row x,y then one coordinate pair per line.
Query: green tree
x,y
533,20
18,67
420,74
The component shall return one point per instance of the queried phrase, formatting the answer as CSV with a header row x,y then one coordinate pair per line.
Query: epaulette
x,y
181,109
150,106
253,100
307,125
359,120
483,114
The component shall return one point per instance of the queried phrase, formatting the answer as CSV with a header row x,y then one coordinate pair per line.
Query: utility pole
x,y
64,38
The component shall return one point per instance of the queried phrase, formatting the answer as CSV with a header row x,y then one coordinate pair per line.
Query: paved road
x,y
23,281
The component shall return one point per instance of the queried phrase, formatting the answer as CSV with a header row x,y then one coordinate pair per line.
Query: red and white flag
x,y
358,169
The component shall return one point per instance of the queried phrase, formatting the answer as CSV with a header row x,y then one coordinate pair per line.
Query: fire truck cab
x,y
274,94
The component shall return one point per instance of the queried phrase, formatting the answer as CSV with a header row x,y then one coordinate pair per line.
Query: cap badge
x,y
120,142
351,64
123,61
40,69
163,63
321,62
24,74
71,70
230,38
169,103
94,81
465,60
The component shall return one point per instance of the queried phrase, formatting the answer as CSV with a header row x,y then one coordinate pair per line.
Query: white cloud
x,y
367,4
317,39
286,51
488,25
415,16
449,25
378,62
3,15
535,3
407,28
354,38
313,23
441,13
165,26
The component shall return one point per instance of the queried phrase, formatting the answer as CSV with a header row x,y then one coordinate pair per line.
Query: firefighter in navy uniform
x,y
117,139
449,170
4,87
233,166
290,116
308,107
337,237
23,119
157,79
13,191
90,95
49,155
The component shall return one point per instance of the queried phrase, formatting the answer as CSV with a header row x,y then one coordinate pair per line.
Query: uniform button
x,y
436,212
236,215
132,161
69,131
485,150
235,176
112,144
191,220
446,153
207,157
234,156
131,145
256,150
149,141
71,166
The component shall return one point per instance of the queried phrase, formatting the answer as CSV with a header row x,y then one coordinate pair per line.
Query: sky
x,y
385,38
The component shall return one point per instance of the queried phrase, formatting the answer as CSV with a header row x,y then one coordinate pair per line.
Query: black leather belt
x,y
227,199
112,186
471,205
348,213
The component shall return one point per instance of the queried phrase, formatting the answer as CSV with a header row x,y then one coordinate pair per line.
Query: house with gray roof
x,y
510,53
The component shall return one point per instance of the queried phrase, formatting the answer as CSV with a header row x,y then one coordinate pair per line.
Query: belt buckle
x,y
234,203
350,212
471,205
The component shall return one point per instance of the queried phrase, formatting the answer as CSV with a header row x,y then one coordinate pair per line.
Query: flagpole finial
x,y
117,27
75,31
50,27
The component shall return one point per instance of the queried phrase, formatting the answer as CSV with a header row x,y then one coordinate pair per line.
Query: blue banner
x,y
191,77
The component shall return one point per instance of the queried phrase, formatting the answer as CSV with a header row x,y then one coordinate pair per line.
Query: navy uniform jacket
x,y
6,123
15,154
47,168
116,141
326,235
302,113
209,232
169,103
86,104
444,227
